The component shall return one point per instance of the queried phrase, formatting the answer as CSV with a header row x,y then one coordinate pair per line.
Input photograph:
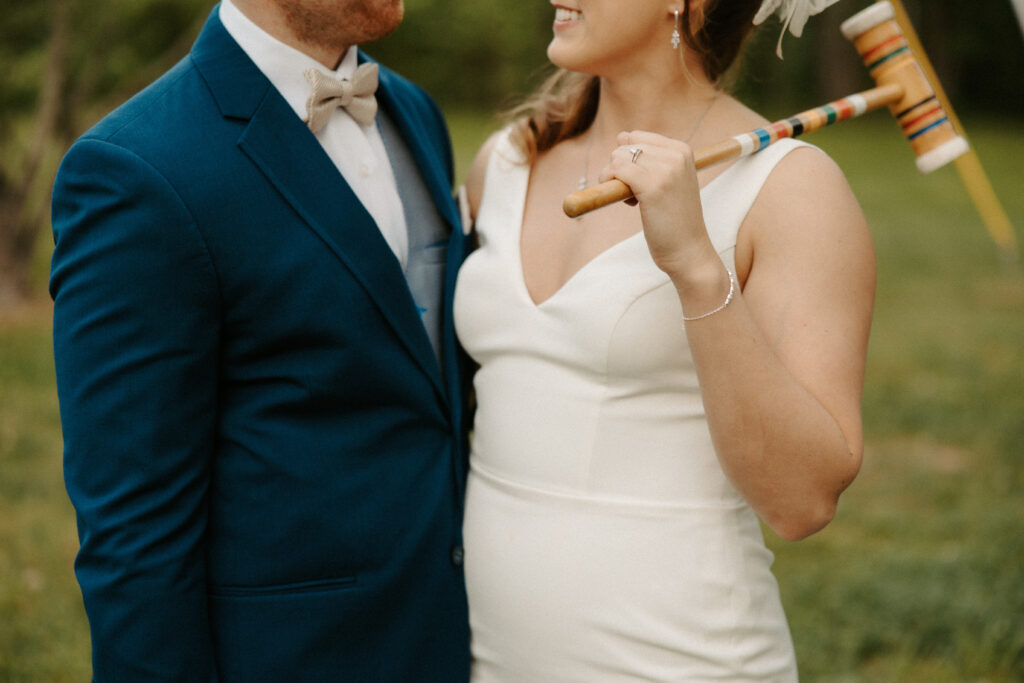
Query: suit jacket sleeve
x,y
136,316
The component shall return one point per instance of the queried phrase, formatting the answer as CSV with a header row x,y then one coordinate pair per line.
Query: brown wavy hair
x,y
565,104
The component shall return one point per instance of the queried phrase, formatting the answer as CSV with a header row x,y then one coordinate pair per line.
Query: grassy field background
x,y
919,577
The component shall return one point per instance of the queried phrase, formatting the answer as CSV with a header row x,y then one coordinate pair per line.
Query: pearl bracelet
x,y
728,299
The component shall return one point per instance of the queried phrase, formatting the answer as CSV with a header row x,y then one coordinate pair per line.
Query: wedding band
x,y
636,151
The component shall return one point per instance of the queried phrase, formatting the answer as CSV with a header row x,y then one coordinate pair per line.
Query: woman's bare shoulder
x,y
807,209
807,176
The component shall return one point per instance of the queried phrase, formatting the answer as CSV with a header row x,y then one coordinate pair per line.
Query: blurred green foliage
x,y
470,54
112,46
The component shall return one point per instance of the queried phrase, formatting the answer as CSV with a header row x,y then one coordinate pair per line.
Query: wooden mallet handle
x,y
745,144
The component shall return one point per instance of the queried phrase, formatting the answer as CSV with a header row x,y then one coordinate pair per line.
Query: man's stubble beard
x,y
338,24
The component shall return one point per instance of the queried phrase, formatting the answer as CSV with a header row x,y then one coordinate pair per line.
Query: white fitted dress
x,y
603,540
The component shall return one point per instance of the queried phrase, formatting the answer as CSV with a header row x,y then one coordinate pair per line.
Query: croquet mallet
x,y
902,85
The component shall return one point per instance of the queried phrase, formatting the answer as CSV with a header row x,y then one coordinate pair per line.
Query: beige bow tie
x,y
329,93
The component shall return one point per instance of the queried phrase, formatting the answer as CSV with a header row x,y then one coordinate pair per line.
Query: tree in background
x,y
65,64
28,120
68,62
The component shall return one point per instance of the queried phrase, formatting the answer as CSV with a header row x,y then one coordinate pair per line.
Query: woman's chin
x,y
563,56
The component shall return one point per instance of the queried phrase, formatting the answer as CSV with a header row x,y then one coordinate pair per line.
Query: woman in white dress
x,y
654,376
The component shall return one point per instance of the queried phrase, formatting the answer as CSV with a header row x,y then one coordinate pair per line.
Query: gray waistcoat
x,y
428,233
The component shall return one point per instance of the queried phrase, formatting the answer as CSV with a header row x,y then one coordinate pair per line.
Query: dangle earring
x,y
675,33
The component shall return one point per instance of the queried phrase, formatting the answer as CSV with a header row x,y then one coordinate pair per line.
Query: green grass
x,y
917,579
43,632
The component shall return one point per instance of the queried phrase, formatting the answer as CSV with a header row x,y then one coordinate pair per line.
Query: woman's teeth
x,y
562,14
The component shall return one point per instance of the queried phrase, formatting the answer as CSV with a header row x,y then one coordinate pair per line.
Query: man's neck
x,y
269,16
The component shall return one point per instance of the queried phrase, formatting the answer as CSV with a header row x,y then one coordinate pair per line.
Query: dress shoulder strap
x,y
505,157
504,188
728,198
502,159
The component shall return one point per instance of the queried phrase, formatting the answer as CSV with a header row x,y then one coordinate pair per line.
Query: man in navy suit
x,y
258,376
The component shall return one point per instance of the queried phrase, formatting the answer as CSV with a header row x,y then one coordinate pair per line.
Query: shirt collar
x,y
282,64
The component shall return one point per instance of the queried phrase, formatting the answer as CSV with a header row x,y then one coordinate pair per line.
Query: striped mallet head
x,y
887,55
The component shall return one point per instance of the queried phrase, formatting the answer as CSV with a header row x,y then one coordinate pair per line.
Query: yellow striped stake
x,y
969,166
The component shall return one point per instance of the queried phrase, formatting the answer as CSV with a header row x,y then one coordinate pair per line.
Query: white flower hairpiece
x,y
793,13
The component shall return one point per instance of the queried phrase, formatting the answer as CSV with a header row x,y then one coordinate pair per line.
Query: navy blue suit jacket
x,y
265,458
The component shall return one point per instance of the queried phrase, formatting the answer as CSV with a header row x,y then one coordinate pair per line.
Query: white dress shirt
x,y
357,151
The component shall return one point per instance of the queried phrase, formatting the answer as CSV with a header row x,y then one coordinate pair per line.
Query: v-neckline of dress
x,y
527,170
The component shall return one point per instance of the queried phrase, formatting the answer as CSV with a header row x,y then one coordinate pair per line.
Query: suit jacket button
x,y
458,555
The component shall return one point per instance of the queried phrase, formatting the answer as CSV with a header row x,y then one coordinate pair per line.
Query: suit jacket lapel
x,y
293,162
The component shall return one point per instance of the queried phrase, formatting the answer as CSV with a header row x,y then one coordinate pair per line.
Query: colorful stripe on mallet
x,y
921,118
804,122
890,49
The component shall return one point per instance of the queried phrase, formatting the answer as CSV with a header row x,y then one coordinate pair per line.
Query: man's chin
x,y
385,22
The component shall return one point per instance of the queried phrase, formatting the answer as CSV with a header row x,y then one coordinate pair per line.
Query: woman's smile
x,y
566,17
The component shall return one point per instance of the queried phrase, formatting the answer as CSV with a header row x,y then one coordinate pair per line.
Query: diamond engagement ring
x,y
636,152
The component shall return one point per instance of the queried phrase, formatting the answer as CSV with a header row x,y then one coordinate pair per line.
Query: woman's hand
x,y
664,184
663,179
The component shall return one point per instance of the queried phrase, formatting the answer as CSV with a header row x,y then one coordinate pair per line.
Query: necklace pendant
x,y
582,183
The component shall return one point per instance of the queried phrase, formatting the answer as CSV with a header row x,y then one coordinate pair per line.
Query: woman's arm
x,y
782,367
